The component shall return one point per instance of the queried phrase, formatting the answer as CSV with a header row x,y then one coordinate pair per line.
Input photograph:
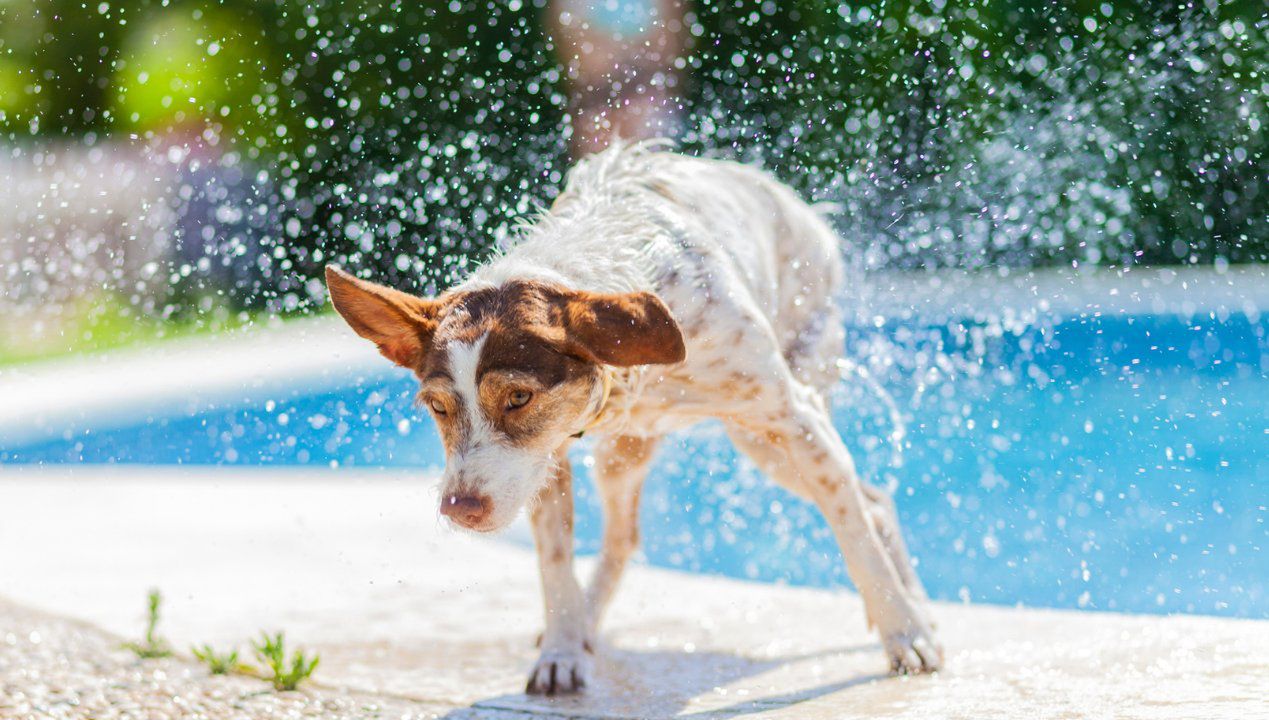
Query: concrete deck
x,y
413,620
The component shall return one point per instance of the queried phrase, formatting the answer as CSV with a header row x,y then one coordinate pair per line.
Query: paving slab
x,y
52,667
415,620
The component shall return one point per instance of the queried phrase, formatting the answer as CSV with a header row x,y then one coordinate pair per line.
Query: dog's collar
x,y
603,404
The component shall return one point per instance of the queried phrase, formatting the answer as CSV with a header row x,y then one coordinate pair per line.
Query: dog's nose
x,y
466,510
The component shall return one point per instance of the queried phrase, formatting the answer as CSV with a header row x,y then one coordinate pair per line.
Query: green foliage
x,y
1005,132
217,663
281,671
192,69
284,675
152,646
410,136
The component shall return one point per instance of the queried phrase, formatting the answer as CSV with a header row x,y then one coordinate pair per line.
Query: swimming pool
x,y
1112,463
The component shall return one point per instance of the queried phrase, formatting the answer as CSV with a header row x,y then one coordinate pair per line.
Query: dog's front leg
x,y
564,664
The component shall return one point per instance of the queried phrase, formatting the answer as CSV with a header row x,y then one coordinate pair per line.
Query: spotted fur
x,y
702,289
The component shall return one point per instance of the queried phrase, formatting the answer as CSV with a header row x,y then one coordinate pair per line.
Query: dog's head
x,y
509,373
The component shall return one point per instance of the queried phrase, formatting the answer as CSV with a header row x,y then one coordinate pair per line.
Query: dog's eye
x,y
436,406
519,398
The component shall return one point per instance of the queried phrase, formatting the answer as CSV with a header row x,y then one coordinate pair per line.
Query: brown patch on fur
x,y
558,338
629,452
453,426
539,339
526,321
621,329
550,405
520,355
747,390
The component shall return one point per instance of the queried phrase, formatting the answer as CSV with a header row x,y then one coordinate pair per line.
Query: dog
x,y
658,290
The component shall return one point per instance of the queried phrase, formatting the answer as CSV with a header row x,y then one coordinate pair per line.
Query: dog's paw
x,y
914,650
559,672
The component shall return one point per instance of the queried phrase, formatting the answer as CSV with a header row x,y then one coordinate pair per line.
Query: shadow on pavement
x,y
654,684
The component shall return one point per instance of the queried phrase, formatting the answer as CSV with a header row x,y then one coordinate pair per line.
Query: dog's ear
x,y
400,324
621,329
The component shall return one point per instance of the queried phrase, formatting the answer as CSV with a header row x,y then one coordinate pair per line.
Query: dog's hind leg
x,y
881,509
621,464
885,518
564,664
800,449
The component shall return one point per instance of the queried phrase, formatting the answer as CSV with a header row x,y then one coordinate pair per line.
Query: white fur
x,y
463,359
751,274
507,475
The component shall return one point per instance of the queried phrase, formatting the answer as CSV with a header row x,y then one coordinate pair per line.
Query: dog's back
x,y
724,244
782,251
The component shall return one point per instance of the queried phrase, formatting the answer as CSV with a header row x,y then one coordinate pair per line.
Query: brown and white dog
x,y
658,291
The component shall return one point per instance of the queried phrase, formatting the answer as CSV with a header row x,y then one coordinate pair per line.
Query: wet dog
x,y
658,291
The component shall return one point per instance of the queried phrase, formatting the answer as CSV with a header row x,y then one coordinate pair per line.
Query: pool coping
x,y
42,399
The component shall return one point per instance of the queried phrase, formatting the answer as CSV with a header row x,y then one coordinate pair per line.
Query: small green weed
x,y
272,652
217,663
153,646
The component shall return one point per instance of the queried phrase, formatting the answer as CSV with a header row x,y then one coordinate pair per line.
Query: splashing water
x,y
198,163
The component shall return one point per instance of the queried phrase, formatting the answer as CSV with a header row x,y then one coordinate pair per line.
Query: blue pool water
x,y
1103,463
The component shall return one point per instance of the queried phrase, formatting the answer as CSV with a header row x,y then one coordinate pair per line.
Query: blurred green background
x,y
407,137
